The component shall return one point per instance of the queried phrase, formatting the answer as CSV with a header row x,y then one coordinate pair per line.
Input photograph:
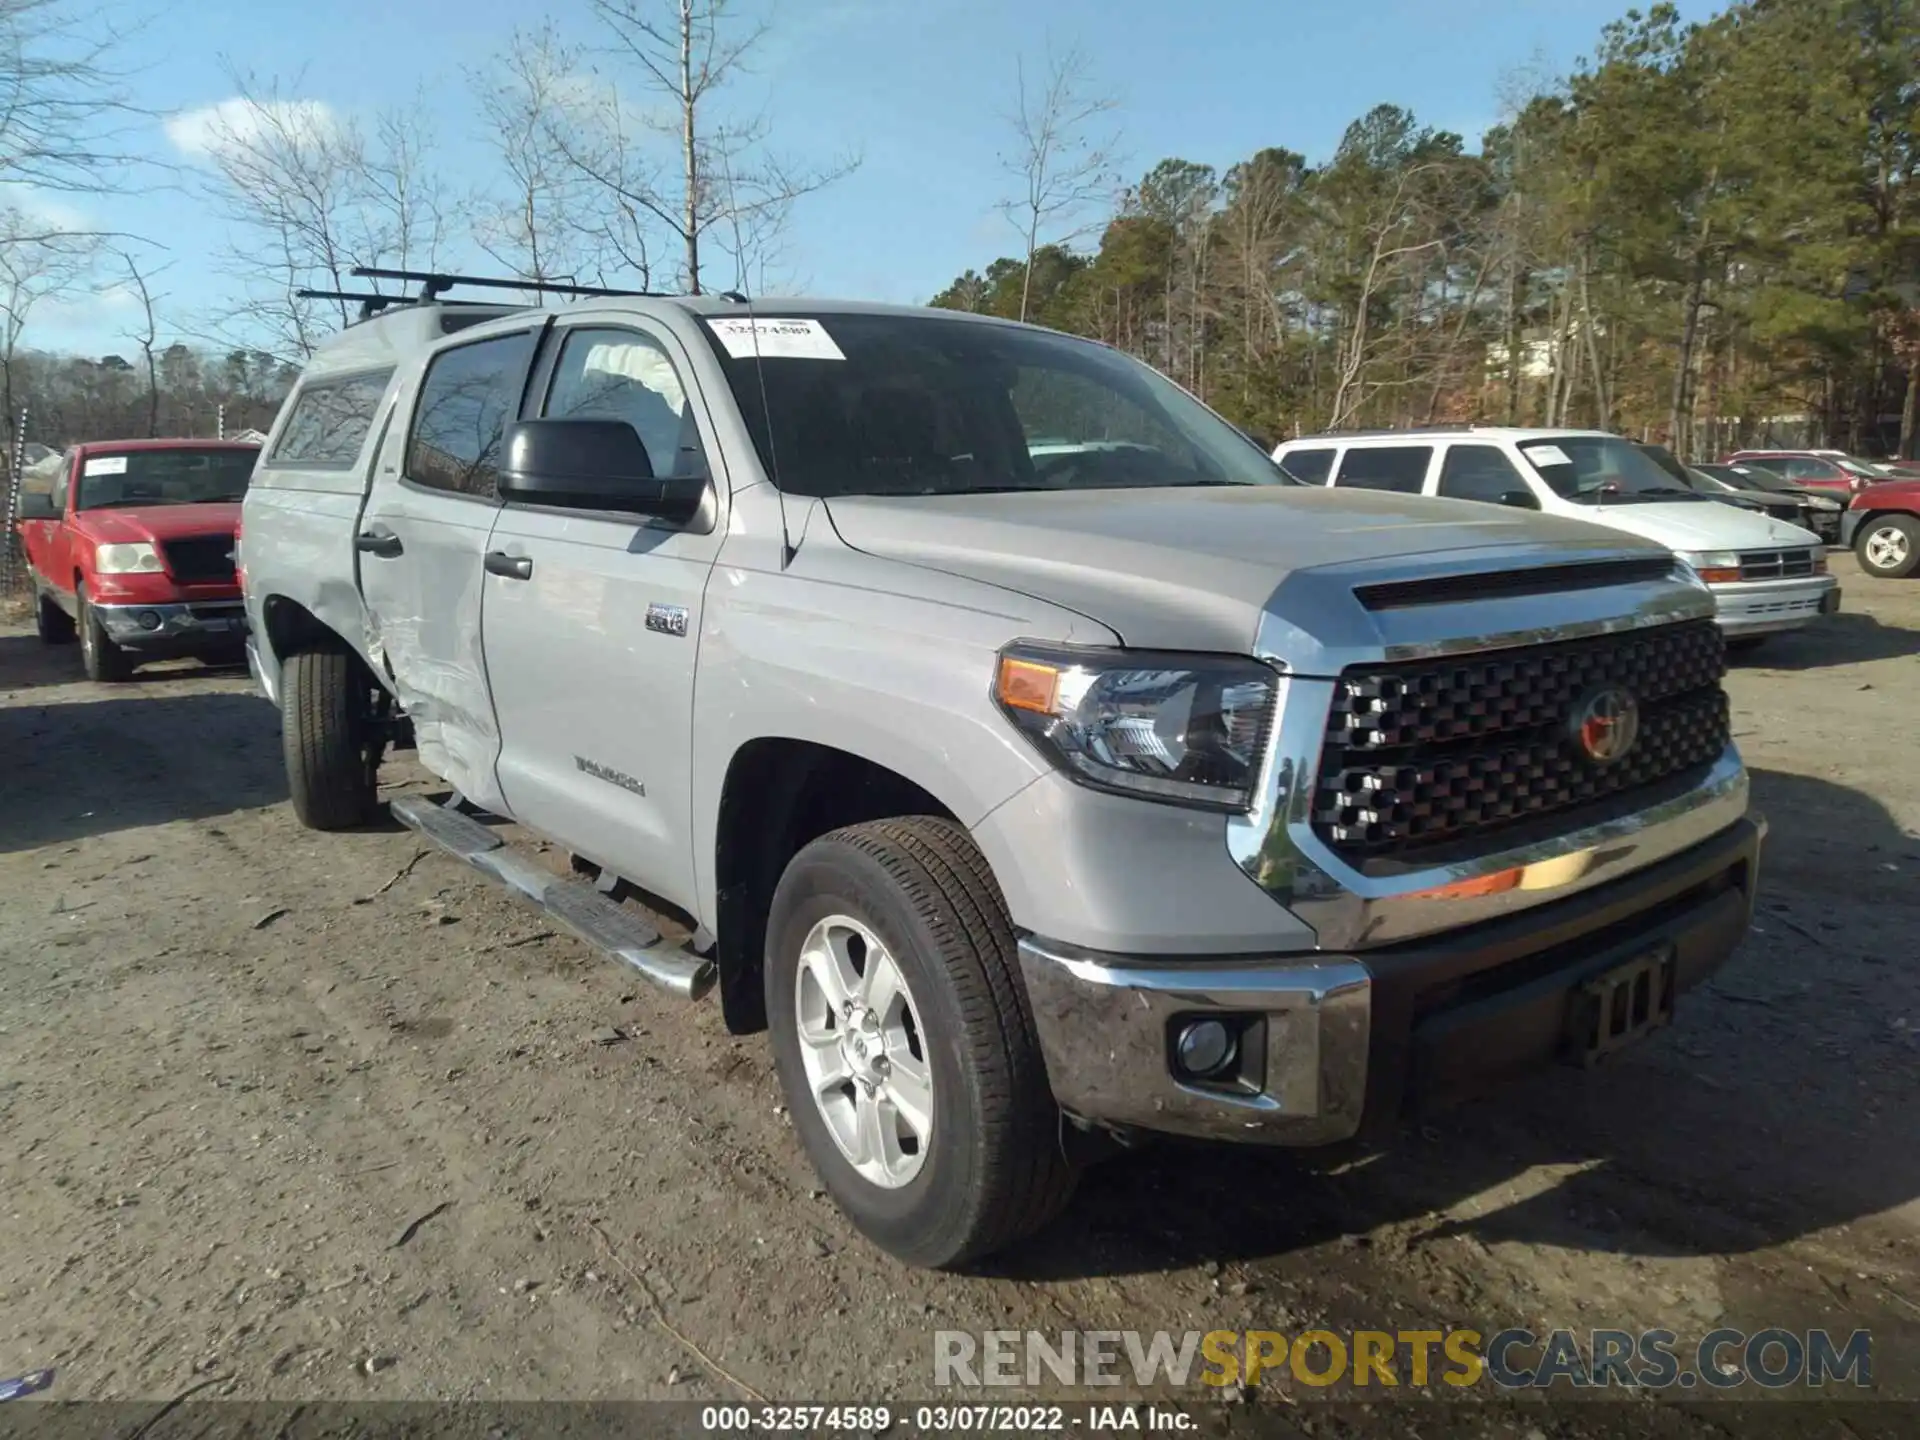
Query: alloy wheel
x,y
864,1051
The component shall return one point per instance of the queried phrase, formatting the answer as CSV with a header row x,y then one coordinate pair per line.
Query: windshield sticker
x,y
106,465
775,339
1548,455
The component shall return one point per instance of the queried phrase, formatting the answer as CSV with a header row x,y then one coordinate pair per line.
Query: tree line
x,y
1707,234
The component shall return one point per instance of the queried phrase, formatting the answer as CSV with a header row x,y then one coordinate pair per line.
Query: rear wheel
x,y
905,1044
102,659
1889,546
332,735
52,624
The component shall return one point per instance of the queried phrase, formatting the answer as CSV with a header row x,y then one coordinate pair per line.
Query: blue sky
x,y
917,86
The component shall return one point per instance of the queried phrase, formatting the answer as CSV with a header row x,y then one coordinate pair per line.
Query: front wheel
x,y
99,656
52,624
1889,546
905,1044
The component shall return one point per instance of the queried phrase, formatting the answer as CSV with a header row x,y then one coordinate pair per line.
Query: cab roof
x,y
121,447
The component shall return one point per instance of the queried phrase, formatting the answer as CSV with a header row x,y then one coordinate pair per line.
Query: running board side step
x,y
578,909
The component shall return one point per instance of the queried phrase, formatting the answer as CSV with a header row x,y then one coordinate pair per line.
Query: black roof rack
x,y
1388,430
433,283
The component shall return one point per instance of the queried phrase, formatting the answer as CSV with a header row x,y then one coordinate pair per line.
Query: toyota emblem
x,y
1606,724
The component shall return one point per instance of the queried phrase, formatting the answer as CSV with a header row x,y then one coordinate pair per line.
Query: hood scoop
x,y
1462,589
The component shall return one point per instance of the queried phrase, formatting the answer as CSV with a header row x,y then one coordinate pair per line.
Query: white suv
x,y
1765,574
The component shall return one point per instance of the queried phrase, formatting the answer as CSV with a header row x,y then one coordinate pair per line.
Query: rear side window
x,y
1385,467
1478,472
469,397
1308,466
330,421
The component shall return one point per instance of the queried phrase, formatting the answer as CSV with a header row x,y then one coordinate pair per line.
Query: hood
x,y
123,523
1900,494
1182,568
1700,525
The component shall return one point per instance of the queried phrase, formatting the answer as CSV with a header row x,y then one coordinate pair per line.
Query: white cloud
x,y
201,133
42,209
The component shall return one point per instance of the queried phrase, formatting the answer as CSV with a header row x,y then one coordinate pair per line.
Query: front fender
x,y
881,659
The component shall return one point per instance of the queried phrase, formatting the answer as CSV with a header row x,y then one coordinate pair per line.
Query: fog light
x,y
1204,1047
149,619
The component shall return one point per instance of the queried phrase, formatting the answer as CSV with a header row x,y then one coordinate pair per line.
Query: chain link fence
x,y
13,558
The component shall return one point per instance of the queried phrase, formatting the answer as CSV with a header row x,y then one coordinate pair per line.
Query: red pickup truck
x,y
1883,527
133,551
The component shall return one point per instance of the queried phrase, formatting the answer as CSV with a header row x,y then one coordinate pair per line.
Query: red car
x,y
133,551
1830,472
1883,527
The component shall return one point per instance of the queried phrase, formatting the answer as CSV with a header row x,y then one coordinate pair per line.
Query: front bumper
x,y
184,628
1829,525
1334,1046
1762,607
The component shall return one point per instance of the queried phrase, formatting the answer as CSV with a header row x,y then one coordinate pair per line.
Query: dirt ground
x,y
316,1117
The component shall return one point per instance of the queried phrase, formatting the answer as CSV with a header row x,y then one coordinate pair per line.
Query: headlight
x,y
1820,502
1714,567
137,558
1186,729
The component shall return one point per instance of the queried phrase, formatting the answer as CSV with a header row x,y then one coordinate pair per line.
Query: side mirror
x,y
38,505
1520,499
593,465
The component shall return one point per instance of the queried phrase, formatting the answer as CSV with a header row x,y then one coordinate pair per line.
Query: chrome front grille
x,y
1777,564
1423,757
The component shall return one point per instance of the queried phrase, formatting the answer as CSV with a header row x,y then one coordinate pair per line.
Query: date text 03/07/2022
x,y
946,1419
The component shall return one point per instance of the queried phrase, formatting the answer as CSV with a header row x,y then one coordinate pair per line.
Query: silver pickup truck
x,y
1004,732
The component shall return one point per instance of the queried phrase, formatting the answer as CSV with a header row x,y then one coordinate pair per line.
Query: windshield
x,y
1758,476
1872,469
908,405
1603,470
1706,479
164,477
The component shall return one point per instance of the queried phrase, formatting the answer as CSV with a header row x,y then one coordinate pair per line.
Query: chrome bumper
x,y
1334,1046
1762,607
194,624
1105,1024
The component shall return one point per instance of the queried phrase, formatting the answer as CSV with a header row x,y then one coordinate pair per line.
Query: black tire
x,y
994,1170
99,656
331,747
52,624
1907,528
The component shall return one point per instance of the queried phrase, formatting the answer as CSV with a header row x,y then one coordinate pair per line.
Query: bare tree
x,y
64,108
308,198
146,336
405,201
34,267
537,223
725,177
1063,161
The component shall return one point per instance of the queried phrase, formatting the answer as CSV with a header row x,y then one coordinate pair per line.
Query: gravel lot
x,y
324,1116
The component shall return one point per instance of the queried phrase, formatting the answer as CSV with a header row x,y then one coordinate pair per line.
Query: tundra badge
x,y
609,774
667,619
